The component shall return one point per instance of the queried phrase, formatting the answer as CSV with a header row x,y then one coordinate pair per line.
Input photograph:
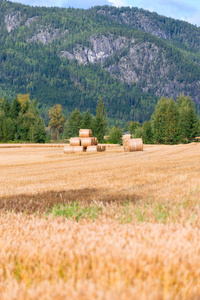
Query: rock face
x,y
100,49
12,20
45,35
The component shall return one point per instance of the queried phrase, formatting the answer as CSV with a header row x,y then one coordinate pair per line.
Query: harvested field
x,y
110,225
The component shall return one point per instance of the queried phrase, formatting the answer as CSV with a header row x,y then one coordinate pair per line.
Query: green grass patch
x,y
76,211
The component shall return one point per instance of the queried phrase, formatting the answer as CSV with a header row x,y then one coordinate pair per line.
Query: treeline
x,y
21,121
172,122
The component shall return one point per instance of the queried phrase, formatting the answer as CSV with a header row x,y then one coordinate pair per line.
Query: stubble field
x,y
110,225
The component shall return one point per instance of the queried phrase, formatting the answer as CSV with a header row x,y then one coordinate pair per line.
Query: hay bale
x,y
131,145
79,149
73,149
85,133
92,149
86,142
76,141
68,149
95,141
101,148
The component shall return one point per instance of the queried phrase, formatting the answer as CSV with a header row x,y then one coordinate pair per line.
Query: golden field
x,y
134,232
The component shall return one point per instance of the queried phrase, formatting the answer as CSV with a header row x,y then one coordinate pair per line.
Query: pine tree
x,y
87,121
172,119
15,108
188,121
7,108
159,121
99,126
73,124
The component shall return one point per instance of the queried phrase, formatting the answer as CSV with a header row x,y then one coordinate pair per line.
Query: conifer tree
x,y
73,124
87,121
172,119
159,121
188,122
99,126
15,108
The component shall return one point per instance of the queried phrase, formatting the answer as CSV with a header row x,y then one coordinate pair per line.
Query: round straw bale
x,y
79,149
68,149
92,149
131,145
76,141
85,142
85,133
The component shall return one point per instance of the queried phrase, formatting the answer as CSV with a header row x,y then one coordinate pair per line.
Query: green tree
x,y
57,119
133,126
172,120
15,108
188,121
99,126
87,121
73,124
115,135
147,134
159,121
7,108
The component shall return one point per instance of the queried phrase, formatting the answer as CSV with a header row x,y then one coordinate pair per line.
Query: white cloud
x,y
118,3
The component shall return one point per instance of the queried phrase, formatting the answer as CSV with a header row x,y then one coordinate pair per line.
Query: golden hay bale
x,y
76,141
85,133
131,145
68,149
73,149
92,149
79,149
101,148
85,142
95,141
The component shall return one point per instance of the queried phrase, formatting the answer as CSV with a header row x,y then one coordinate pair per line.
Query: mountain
x,y
127,56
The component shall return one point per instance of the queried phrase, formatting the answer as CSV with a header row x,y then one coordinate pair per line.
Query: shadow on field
x,y
45,201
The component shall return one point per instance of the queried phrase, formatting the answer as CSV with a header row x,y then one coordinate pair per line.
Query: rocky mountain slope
x,y
128,57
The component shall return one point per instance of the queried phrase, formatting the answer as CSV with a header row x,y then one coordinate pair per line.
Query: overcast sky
x,y
188,10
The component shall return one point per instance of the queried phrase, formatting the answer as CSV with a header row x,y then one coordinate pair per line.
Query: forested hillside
x,y
73,57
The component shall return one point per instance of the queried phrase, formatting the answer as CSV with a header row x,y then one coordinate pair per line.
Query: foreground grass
x,y
61,257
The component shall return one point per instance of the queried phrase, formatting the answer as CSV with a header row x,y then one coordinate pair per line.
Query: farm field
x,y
110,225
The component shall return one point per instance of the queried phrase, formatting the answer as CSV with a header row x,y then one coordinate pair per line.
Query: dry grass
x,y
145,248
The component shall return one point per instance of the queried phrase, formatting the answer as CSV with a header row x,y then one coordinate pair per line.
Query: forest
x,y
33,38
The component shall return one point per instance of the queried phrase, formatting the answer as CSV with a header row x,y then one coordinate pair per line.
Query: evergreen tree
x,y
15,108
159,121
188,122
87,121
73,124
99,126
7,108
172,119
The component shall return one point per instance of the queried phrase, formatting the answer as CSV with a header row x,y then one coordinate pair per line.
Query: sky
x,y
187,10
